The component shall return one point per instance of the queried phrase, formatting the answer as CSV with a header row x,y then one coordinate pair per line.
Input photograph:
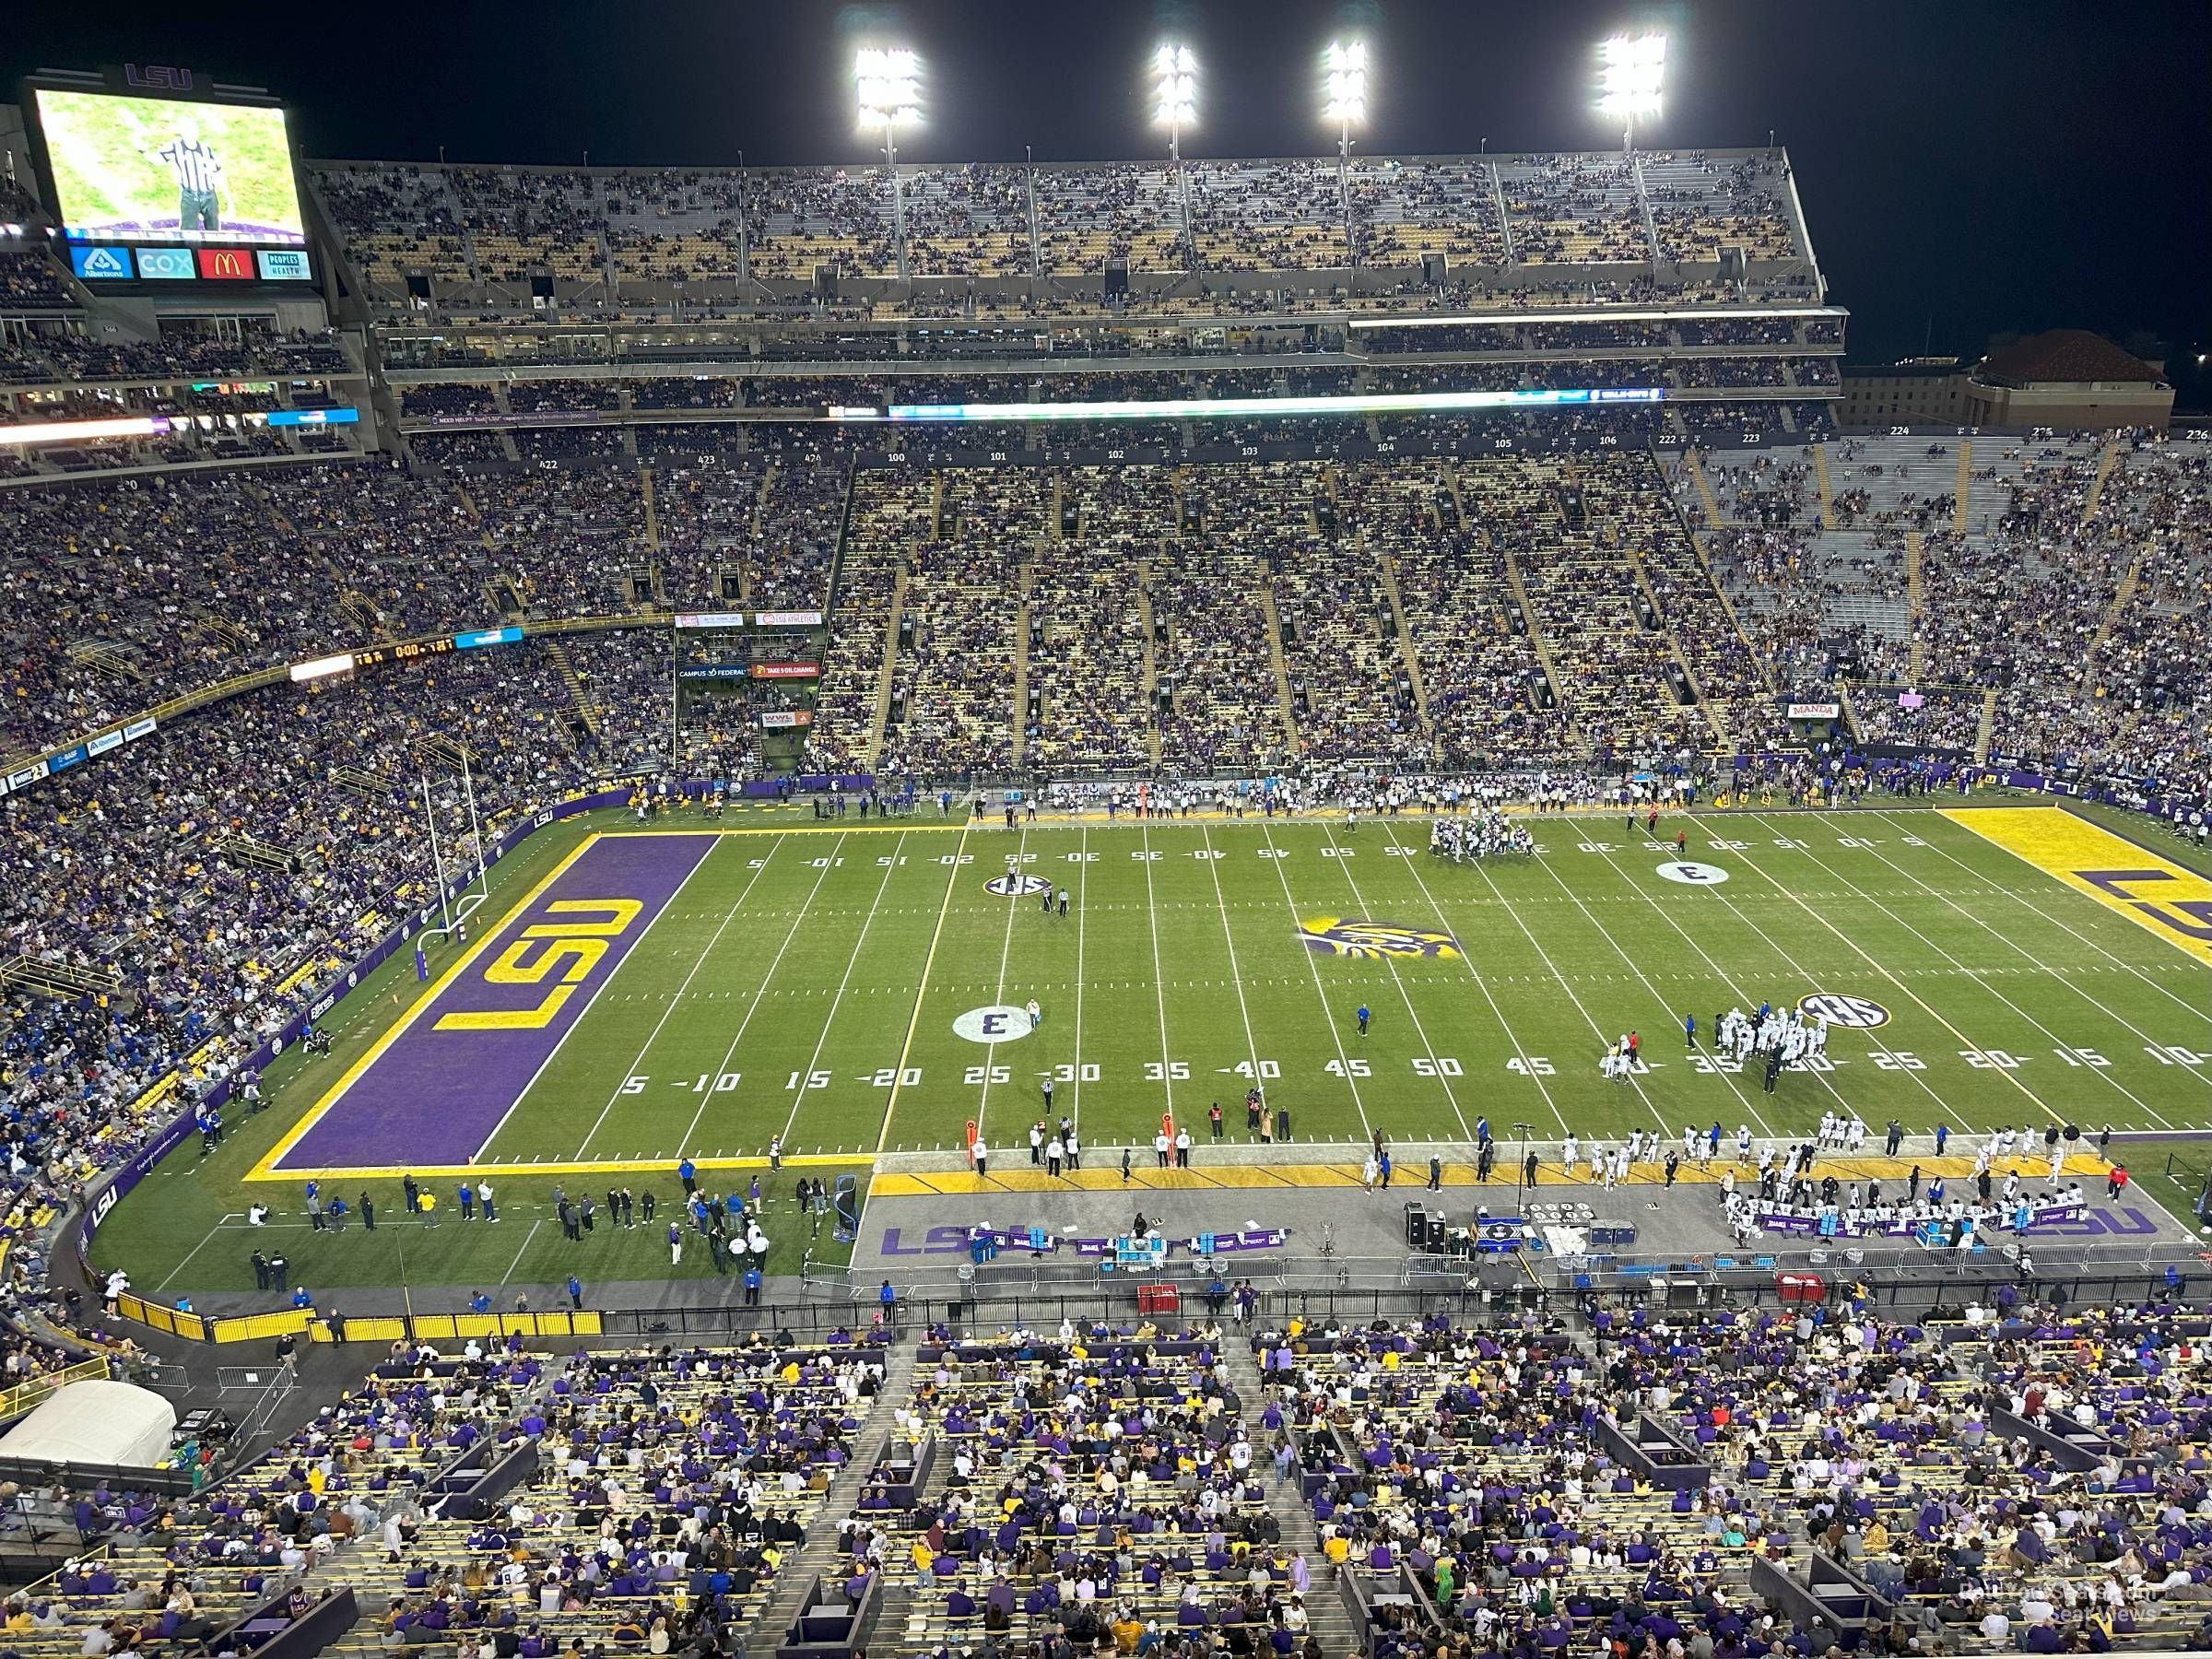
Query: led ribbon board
x,y
73,432
1201,408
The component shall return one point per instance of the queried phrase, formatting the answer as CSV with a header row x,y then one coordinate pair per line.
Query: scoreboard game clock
x,y
405,651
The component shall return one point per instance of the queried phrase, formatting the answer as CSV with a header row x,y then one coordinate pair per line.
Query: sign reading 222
x,y
573,949
2115,882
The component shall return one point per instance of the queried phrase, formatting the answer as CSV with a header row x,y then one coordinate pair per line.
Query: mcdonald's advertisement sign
x,y
226,264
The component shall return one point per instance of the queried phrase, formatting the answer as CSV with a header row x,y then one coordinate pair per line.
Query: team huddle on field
x,y
1784,1037
1485,835
1785,1032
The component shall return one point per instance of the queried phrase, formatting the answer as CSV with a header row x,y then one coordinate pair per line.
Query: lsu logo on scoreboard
x,y
555,956
1351,936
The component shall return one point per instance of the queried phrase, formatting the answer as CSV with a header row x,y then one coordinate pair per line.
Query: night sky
x,y
1968,169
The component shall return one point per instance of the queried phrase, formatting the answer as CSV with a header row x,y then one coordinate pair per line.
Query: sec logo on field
x,y
1693,874
1858,1012
1017,886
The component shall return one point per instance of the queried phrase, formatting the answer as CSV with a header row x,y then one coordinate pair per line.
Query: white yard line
x,y
953,866
1497,1013
1160,986
1551,869
837,1000
1236,974
1075,1114
1344,1061
1799,969
194,1250
1782,887
2102,1073
2201,1011
1596,1031
1344,864
760,995
1005,950
509,1275
1690,939
636,950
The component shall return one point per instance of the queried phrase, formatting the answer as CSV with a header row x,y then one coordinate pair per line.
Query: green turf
x,y
802,955
777,992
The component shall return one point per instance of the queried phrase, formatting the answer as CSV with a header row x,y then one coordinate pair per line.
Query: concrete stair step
x,y
796,1574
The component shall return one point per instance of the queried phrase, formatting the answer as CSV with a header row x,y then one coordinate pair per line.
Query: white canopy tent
x,y
96,1423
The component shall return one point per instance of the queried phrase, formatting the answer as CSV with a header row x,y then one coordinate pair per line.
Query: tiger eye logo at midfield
x,y
1351,937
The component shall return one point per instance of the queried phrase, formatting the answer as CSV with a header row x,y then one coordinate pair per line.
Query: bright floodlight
x,y
888,86
1631,70
1174,87
1343,69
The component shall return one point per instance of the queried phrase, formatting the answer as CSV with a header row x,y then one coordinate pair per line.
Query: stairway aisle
x,y
1325,1613
796,1572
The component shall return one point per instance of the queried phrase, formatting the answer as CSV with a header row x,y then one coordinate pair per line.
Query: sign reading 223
x,y
571,948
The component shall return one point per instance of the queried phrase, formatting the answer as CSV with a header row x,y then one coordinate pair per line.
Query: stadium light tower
x,y
1175,106
1631,71
886,83
888,91
1344,92
1174,94
1344,102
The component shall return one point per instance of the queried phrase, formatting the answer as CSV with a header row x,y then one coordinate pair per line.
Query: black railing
x,y
987,1309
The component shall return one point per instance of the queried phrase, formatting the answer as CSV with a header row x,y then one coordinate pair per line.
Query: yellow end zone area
x,y
2154,893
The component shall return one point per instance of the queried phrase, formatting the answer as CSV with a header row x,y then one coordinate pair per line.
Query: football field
x,y
865,989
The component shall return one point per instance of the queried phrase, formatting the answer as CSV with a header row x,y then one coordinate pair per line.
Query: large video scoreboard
x,y
158,181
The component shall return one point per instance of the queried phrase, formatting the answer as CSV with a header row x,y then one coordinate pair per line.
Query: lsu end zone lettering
x,y
431,1092
563,950
2172,902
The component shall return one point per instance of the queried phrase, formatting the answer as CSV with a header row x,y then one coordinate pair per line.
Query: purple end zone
x,y
443,1081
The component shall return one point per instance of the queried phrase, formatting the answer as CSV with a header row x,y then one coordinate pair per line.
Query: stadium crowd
x,y
2057,604
1895,1446
481,232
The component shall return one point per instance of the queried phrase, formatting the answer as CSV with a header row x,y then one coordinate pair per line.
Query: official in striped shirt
x,y
199,174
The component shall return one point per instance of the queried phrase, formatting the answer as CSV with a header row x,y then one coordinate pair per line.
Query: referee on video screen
x,y
198,173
